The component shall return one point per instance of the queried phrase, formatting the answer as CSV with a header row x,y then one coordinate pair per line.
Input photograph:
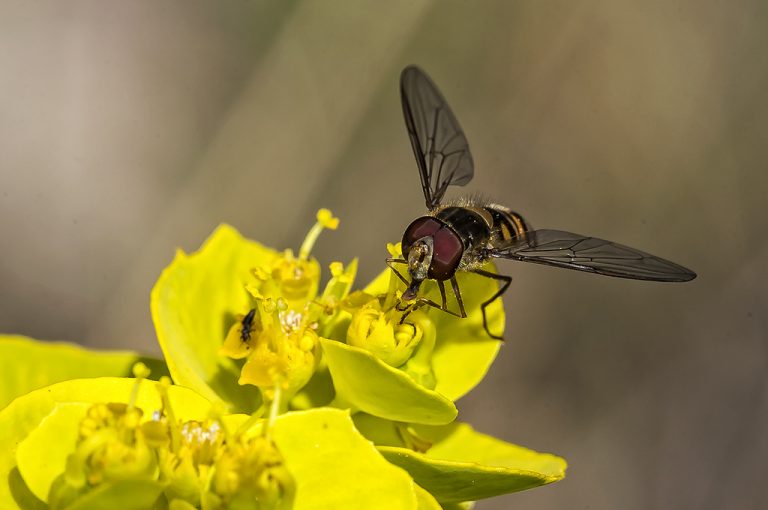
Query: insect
x,y
247,325
462,235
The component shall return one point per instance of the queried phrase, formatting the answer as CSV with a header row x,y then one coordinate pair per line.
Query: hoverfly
x,y
462,235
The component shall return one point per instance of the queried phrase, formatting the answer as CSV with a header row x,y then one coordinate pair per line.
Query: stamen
x,y
290,320
140,372
162,388
325,219
195,433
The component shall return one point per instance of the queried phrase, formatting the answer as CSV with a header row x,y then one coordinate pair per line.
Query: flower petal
x,y
368,384
335,467
25,413
194,303
42,455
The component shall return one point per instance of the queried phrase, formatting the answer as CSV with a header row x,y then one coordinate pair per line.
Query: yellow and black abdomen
x,y
507,224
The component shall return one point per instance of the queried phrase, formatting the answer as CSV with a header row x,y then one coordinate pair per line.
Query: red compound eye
x,y
447,248
446,254
426,226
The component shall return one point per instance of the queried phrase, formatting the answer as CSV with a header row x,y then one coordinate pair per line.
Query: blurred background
x,y
128,129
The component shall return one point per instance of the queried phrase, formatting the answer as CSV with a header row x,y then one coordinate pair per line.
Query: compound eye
x,y
446,254
426,226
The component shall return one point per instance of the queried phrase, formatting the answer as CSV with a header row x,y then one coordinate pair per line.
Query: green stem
x,y
274,410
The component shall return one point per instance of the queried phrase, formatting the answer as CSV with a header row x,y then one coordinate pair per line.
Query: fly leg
x,y
461,314
391,262
457,293
504,286
422,301
441,285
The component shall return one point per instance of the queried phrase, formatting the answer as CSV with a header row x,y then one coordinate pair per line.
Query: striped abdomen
x,y
477,226
507,224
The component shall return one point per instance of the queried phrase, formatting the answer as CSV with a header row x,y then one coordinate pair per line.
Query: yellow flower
x,y
187,468
294,278
279,335
382,334
250,474
284,352
111,445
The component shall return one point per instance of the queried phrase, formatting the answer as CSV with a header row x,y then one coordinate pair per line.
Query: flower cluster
x,y
286,388
173,463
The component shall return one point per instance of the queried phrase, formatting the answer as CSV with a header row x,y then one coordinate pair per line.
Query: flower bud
x,y
111,446
376,332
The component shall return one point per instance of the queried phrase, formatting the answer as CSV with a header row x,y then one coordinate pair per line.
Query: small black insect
x,y
466,233
247,325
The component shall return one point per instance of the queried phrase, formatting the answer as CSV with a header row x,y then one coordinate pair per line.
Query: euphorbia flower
x,y
246,329
377,328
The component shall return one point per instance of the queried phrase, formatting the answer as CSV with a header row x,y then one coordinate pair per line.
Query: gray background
x,y
128,129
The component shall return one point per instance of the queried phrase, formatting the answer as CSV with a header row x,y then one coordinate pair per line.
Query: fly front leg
x,y
422,301
457,293
507,280
441,285
461,314
391,263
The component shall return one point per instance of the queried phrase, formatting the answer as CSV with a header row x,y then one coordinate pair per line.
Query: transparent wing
x,y
582,253
439,144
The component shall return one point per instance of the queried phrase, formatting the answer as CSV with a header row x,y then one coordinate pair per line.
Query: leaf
x,y
335,467
25,414
466,505
464,352
27,364
194,303
464,465
368,384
